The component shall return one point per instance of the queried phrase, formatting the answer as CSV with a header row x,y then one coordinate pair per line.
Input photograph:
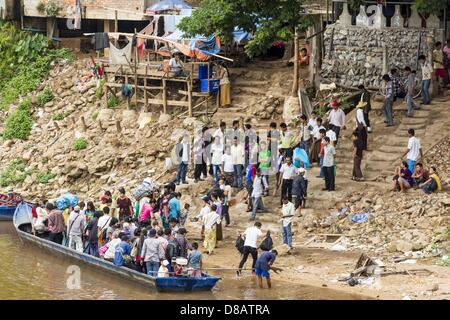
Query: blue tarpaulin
x,y
66,200
241,37
210,45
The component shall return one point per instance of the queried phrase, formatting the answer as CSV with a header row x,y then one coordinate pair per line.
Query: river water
x,y
26,272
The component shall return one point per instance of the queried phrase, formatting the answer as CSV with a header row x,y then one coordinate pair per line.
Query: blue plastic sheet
x,y
360,217
205,45
303,156
66,200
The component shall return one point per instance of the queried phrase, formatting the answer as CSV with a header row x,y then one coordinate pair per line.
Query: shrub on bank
x,y
80,144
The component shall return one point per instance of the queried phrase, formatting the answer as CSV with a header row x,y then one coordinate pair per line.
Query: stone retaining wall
x,y
357,54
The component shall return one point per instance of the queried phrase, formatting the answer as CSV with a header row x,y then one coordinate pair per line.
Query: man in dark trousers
x,y
299,189
365,97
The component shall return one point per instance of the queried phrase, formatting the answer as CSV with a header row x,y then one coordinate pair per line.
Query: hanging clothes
x,y
141,48
101,41
120,56
77,16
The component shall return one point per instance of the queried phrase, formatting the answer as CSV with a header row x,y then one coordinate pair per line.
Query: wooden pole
x,y
190,98
164,93
83,122
116,22
145,90
294,92
135,73
118,127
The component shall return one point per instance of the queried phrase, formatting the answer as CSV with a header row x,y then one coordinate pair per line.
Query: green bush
x,y
25,60
113,101
94,116
15,172
99,91
44,177
58,116
80,144
45,96
18,124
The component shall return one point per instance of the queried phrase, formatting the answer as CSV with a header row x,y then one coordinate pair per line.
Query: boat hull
x,y
7,213
161,284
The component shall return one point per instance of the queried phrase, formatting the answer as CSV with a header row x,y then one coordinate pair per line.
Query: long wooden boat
x,y
7,213
22,222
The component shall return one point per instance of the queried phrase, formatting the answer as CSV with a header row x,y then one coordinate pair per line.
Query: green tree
x,y
267,20
430,6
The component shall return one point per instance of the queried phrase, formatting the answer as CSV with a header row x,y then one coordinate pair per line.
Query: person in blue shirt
x,y
123,251
175,207
263,265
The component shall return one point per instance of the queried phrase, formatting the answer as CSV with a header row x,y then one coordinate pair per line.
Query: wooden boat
x,y
7,213
22,223
8,204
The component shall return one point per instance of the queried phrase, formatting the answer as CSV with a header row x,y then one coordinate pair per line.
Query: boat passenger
x,y
55,224
92,235
112,246
185,245
122,255
195,262
76,225
163,271
152,253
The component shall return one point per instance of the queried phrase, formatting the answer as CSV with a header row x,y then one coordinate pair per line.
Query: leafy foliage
x,y
113,101
80,144
99,91
430,6
44,177
15,172
51,9
267,20
24,62
94,116
19,123
45,96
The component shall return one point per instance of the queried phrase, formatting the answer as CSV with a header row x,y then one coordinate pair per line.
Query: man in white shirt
x,y
332,135
227,166
251,235
287,173
287,215
414,149
104,220
328,165
183,151
221,133
427,72
238,155
75,229
227,194
305,133
361,125
176,65
259,185
216,159
336,119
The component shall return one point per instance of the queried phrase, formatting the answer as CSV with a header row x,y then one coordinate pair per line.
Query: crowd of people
x,y
149,234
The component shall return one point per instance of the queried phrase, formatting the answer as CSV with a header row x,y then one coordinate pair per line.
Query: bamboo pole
x,y
135,72
83,122
164,96
190,98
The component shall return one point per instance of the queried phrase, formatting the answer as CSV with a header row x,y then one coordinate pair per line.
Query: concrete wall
x,y
6,9
133,9
357,54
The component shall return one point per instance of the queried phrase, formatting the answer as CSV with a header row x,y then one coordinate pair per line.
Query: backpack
x,y
267,243
173,250
240,244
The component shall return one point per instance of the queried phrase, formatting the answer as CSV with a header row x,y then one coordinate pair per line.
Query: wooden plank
x,y
189,99
194,94
119,85
169,102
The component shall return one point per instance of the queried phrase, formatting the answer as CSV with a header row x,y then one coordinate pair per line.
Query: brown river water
x,y
27,272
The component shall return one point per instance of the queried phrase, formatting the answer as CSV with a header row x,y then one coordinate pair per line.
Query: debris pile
x,y
389,224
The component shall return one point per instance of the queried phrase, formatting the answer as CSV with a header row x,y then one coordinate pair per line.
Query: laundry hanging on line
x,y
101,41
120,56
